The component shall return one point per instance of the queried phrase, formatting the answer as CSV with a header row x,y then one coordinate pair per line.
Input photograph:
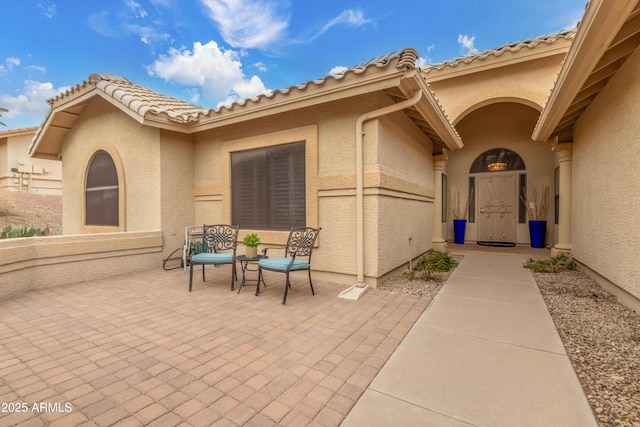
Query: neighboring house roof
x,y
16,132
550,44
394,73
608,33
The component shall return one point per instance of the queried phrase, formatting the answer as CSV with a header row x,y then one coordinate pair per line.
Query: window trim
x,y
91,229
308,133
294,148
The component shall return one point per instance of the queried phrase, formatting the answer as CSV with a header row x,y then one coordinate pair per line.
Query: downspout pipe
x,y
360,175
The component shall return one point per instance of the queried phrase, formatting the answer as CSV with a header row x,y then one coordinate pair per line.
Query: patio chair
x,y
299,244
219,242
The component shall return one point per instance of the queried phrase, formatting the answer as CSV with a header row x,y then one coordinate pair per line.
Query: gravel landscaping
x,y
602,338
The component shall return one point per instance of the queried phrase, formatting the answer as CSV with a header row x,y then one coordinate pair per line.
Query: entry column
x,y
438,242
564,153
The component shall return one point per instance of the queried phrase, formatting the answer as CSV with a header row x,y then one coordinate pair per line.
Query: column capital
x,y
564,151
439,161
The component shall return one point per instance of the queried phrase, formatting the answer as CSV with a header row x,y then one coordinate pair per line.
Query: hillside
x,y
35,210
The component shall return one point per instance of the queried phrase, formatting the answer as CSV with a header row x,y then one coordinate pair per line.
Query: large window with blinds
x,y
268,189
101,191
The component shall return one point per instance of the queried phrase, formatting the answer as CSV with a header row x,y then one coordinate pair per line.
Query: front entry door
x,y
497,203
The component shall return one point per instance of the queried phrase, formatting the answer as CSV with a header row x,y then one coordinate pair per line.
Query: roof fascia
x,y
599,26
17,132
431,110
525,54
299,98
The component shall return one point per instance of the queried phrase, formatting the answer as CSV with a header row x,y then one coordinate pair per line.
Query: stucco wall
x,y
398,181
529,81
507,125
136,151
176,189
405,197
606,181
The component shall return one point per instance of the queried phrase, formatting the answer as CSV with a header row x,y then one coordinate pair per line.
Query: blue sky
x,y
210,52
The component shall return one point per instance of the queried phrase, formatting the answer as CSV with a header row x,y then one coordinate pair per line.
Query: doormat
x,y
498,244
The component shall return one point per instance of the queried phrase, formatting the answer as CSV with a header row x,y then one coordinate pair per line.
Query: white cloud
x,y
138,11
260,66
147,34
338,69
12,62
423,61
38,68
32,102
48,10
101,23
216,71
249,23
135,21
467,44
350,18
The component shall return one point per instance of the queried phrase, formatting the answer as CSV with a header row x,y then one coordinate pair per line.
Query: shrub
x,y
556,264
435,262
14,231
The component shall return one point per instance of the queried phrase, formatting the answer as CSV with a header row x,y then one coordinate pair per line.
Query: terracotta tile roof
x,y
497,52
139,99
19,131
144,101
406,59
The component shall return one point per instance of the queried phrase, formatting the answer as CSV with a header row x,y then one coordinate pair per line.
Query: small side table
x,y
244,263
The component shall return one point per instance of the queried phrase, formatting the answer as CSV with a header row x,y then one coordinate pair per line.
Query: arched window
x,y
497,160
102,192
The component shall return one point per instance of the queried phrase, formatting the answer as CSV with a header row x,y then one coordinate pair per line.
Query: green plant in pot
x,y
251,241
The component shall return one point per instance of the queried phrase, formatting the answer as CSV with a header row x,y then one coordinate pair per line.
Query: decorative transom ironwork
x,y
219,237
497,160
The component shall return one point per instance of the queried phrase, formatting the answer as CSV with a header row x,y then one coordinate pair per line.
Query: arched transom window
x,y
497,160
101,192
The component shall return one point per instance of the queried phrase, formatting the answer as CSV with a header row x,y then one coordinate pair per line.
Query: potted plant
x,y
460,216
537,213
251,241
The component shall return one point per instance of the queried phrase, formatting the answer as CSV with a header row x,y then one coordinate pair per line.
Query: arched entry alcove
x,y
498,154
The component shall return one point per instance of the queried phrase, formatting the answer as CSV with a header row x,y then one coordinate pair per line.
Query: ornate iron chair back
x,y
300,242
219,237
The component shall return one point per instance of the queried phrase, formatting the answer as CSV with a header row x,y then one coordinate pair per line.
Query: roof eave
x,y
504,59
596,31
298,98
444,133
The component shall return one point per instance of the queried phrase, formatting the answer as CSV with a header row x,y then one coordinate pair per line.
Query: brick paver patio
x,y
141,350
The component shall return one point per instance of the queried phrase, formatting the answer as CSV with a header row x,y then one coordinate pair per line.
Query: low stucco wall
x,y
42,262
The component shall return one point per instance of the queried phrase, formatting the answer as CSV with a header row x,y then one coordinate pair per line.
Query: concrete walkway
x,y
484,353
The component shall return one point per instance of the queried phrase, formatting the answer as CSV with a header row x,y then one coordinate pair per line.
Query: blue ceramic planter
x,y
537,232
459,226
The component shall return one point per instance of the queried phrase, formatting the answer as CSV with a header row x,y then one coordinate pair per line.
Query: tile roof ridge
x,y
406,58
566,34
